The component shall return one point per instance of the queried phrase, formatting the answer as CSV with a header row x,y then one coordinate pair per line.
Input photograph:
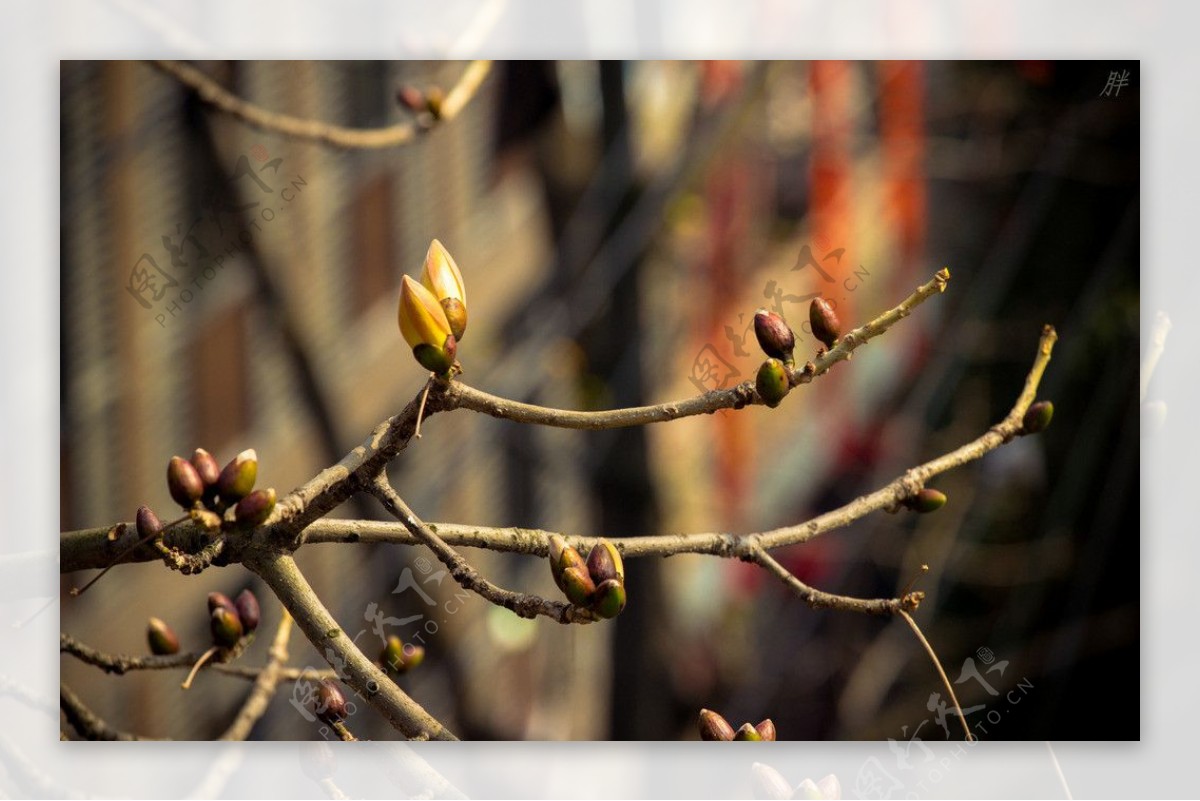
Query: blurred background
x,y
617,224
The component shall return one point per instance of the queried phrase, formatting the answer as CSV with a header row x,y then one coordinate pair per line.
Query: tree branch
x,y
89,725
339,136
361,674
264,686
524,605
933,657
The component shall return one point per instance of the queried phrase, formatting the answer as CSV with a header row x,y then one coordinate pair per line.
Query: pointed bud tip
x,y
148,524
184,482
824,322
714,727
161,638
226,627
774,336
237,478
747,733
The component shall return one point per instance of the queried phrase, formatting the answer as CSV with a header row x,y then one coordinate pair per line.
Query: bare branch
x,y
264,686
361,674
223,100
524,605
912,624
89,725
824,600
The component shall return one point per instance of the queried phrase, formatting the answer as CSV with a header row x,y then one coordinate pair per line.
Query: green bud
x,y
237,479
766,729
246,606
161,638
714,727
604,563
148,523
824,322
774,336
226,627
206,466
926,501
772,382
256,507
330,703
437,360
747,733
400,658
1038,417
609,598
578,585
184,482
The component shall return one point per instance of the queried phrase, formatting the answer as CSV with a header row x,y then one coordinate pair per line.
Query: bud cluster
x,y
206,491
433,313
714,727
597,583
230,621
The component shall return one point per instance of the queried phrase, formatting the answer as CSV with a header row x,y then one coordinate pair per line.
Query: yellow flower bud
x,y
424,326
442,278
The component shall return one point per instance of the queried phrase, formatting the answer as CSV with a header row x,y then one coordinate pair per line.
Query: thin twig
x,y
912,624
523,604
421,408
204,657
264,686
223,100
282,575
818,599
89,725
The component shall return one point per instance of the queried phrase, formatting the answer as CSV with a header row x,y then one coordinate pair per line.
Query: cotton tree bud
x,y
256,507
400,658
161,638
206,466
441,277
1038,417
246,606
578,585
714,727
768,783
411,98
219,600
772,382
148,524
424,326
609,598
925,501
330,702
604,563
766,729
184,482
226,627
747,733
824,322
237,479
774,336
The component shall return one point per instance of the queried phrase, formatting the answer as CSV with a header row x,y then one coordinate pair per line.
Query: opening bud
x,y
766,729
441,277
161,638
714,727
207,467
772,382
246,606
1038,417
184,482
400,658
424,326
774,336
237,479
578,585
824,322
256,507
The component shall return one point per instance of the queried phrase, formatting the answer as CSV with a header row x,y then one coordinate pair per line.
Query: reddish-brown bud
x,y
330,702
184,482
219,600
246,605
714,727
206,466
256,507
824,322
774,336
226,627
1038,417
148,524
766,729
604,563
